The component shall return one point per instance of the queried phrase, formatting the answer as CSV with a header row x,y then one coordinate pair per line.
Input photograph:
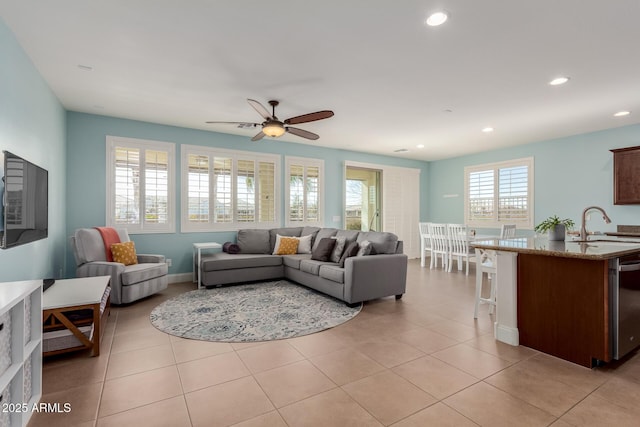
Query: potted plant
x,y
555,227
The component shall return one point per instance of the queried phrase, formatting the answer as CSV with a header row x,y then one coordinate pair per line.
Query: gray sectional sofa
x,y
362,278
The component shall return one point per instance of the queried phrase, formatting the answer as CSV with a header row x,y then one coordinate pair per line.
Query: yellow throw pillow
x,y
124,253
288,246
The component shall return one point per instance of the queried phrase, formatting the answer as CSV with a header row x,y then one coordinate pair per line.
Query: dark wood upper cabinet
x,y
626,176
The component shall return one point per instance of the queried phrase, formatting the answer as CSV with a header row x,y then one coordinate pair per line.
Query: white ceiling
x,y
392,81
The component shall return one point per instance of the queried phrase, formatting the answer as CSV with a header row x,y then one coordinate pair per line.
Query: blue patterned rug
x,y
253,312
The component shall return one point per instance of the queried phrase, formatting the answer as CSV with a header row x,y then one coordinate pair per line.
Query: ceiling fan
x,y
274,128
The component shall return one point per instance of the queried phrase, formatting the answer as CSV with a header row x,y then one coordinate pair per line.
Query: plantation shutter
x,y
198,188
513,194
481,195
267,191
499,193
222,189
127,186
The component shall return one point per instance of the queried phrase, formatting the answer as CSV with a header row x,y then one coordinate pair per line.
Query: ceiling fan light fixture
x,y
559,81
273,130
437,18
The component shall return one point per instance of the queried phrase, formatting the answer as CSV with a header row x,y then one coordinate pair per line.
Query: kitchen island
x,y
560,297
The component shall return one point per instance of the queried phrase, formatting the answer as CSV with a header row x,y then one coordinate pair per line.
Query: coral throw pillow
x,y
288,246
124,253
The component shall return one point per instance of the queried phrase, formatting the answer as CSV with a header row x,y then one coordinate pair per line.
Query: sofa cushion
x,y
90,246
312,266
304,244
323,233
322,252
349,235
338,248
365,248
124,253
383,242
287,231
286,245
293,261
351,250
332,272
222,261
254,241
310,231
137,273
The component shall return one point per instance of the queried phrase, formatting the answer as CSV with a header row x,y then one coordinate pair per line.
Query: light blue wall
x,y
32,125
86,135
570,174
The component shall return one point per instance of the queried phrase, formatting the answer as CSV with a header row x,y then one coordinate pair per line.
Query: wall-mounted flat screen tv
x,y
25,201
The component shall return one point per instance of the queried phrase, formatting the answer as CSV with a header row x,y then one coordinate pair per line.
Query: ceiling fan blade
x,y
258,136
311,117
260,109
242,125
302,133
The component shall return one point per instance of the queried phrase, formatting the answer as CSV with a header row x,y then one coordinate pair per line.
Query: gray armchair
x,y
128,283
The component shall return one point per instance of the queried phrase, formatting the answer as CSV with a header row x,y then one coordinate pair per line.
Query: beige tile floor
x,y
420,361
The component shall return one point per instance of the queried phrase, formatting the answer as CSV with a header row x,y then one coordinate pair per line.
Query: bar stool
x,y
485,263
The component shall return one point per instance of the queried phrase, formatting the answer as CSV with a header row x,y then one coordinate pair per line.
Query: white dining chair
x,y
458,246
485,263
425,242
439,244
508,231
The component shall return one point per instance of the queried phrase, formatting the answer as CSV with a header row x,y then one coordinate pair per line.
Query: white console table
x,y
197,256
20,350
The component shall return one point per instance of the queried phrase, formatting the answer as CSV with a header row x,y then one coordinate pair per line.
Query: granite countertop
x,y
600,248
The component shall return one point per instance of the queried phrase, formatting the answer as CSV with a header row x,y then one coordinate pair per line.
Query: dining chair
x,y
439,244
508,231
458,245
485,263
425,242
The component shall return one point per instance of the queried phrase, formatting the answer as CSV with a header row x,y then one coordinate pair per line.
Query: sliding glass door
x,y
363,199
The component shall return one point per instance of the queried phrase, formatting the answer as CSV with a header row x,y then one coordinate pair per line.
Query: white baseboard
x,y
180,278
506,334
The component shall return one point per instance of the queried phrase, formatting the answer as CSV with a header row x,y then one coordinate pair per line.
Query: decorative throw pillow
x,y
233,249
287,246
124,253
322,252
278,244
304,245
338,248
365,248
351,250
225,246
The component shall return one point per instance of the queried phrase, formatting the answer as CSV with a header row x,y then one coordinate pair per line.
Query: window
x,y
227,190
140,185
305,182
499,193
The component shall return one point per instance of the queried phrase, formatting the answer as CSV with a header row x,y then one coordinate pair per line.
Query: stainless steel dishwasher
x,y
624,280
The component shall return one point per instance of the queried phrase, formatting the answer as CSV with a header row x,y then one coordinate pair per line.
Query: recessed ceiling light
x,y
622,113
437,18
85,67
420,146
487,129
559,81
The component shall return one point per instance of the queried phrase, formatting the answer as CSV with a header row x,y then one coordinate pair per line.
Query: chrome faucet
x,y
583,229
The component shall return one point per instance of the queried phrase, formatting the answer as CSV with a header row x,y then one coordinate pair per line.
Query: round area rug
x,y
253,312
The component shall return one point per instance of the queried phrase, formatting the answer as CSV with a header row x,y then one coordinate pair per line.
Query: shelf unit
x,y
20,350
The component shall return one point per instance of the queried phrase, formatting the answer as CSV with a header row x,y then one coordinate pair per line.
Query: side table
x,y
67,297
197,256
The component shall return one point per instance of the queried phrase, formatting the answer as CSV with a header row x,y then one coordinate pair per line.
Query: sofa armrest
x,y
149,258
104,268
375,276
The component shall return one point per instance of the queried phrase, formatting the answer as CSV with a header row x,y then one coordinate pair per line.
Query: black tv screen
x,y
25,201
